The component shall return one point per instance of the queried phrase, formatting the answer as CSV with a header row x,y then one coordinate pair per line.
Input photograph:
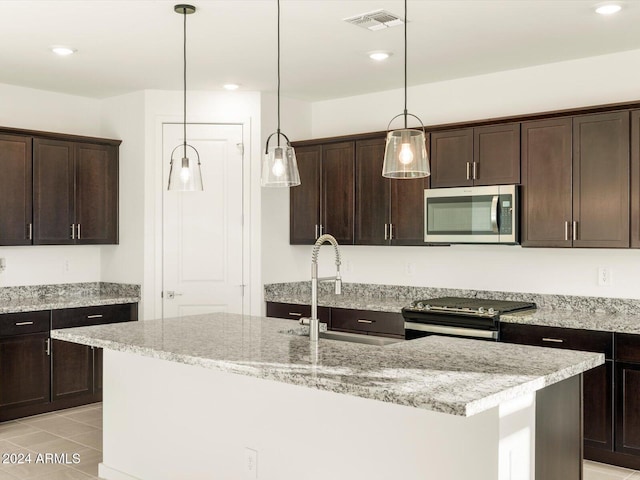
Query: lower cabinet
x,y
384,324
39,374
611,392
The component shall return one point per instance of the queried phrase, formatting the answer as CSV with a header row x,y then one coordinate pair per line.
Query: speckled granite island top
x,y
52,297
450,375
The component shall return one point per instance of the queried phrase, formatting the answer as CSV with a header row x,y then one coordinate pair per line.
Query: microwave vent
x,y
376,20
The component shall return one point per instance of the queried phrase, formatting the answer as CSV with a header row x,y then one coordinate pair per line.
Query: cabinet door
x,y
24,370
387,324
338,191
372,194
96,199
97,369
53,192
601,180
546,183
407,211
72,372
627,412
15,190
635,179
293,311
452,158
496,154
304,215
598,406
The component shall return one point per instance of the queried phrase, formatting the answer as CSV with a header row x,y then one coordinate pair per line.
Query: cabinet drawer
x,y
21,323
627,347
555,337
294,311
365,321
84,316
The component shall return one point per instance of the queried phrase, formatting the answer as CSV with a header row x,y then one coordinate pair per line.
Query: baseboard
x,y
109,473
612,458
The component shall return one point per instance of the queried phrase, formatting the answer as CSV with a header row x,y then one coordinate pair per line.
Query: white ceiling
x,y
125,46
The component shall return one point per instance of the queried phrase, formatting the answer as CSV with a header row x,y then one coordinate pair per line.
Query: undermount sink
x,y
357,338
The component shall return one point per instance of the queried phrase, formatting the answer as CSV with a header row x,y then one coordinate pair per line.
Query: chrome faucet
x,y
314,323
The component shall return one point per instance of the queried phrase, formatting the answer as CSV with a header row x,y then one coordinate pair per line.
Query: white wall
x,y
39,110
592,81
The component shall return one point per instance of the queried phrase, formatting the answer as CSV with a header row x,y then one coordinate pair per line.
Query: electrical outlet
x,y
411,268
605,277
3,264
67,265
250,464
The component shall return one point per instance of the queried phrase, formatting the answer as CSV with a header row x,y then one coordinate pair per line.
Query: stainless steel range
x,y
459,317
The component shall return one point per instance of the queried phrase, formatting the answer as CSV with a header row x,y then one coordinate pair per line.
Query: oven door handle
x,y
494,214
462,332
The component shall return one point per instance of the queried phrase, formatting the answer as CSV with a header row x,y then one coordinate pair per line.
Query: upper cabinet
x,y
16,223
324,200
58,191
487,155
635,179
388,211
575,181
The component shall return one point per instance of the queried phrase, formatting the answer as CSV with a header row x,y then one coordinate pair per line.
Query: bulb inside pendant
x,y
278,165
185,174
406,154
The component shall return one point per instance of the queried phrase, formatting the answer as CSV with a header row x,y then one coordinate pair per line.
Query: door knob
x,y
171,295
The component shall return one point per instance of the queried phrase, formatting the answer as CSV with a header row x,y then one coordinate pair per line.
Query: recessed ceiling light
x,y
379,56
608,8
63,51
231,86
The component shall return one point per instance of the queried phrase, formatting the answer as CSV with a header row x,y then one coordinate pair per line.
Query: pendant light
x,y
405,155
279,167
185,174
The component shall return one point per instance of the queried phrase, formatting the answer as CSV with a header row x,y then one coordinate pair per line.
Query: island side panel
x,y
167,420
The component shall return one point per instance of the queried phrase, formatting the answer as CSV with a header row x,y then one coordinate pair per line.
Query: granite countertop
x,y
443,374
601,321
52,297
356,302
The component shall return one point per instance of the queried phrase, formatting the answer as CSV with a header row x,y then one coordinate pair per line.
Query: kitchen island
x,y
227,396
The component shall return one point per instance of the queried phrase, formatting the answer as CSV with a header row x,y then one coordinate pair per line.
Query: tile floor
x,y
79,430
72,431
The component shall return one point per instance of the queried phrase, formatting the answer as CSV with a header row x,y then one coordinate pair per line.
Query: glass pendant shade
x,y
405,155
185,174
279,167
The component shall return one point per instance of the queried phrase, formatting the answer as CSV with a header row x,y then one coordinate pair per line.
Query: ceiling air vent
x,y
376,20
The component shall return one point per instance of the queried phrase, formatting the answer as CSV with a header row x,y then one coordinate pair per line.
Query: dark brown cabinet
x,y
635,179
384,324
627,384
324,200
597,391
575,181
487,155
24,361
16,221
388,212
75,193
38,374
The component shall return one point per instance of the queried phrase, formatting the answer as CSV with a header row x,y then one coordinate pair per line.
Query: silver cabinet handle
x,y
30,231
316,230
475,170
494,213
21,324
48,343
386,231
391,231
553,340
362,320
321,229
575,230
566,231
295,314
73,231
95,316
78,231
468,171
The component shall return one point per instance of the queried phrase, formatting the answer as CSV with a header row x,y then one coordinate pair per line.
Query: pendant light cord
x,y
405,64
184,78
278,129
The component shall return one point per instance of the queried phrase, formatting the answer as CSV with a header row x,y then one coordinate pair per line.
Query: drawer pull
x,y
295,314
95,316
554,340
21,324
362,320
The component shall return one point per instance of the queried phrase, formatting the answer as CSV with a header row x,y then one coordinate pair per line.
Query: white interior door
x,y
202,231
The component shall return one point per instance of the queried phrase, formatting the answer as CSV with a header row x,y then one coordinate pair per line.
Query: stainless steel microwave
x,y
471,215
